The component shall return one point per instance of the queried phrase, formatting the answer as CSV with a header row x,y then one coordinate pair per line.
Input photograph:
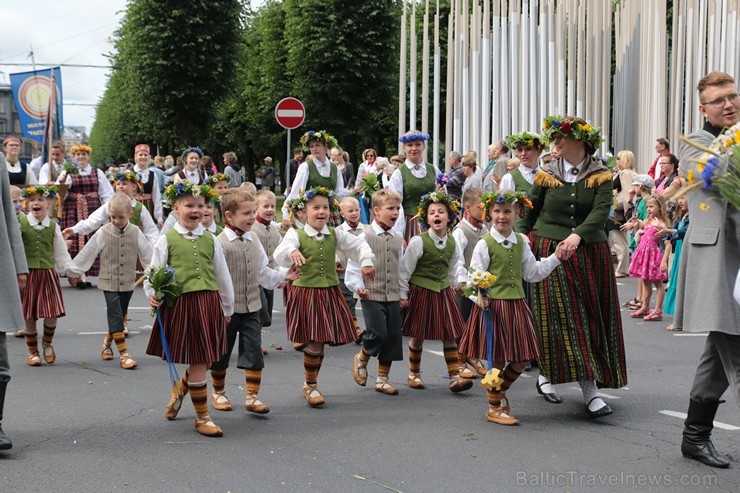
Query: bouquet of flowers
x,y
478,285
164,285
715,174
70,168
442,180
368,185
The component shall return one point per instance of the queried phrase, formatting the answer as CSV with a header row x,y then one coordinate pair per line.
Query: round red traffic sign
x,y
290,113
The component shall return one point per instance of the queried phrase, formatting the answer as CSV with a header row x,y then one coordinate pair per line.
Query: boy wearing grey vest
x,y
349,208
268,233
380,298
119,243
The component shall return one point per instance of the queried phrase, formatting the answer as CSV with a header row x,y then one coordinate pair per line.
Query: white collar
x,y
465,220
140,170
186,232
411,165
326,162
434,235
212,227
527,170
14,166
134,202
500,238
34,222
231,235
310,231
379,231
568,165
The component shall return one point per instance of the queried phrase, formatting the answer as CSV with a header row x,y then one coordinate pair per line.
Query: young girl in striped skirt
x,y
45,250
432,264
508,257
317,313
195,326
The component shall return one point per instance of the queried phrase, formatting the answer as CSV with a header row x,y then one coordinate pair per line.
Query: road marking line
x,y
690,335
438,353
140,308
103,333
601,394
717,424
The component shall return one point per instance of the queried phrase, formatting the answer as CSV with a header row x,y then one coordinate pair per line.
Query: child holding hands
x,y
508,257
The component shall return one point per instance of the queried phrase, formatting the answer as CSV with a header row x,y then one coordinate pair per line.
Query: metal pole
x,y
287,165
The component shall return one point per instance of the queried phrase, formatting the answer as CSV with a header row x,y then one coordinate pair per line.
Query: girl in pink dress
x,y
646,260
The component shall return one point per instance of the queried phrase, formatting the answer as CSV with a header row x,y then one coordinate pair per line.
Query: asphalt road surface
x,y
85,424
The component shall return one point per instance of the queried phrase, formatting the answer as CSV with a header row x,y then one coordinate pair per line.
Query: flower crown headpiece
x,y
413,137
47,191
304,196
212,180
453,207
80,148
318,136
525,139
124,175
488,200
571,126
196,150
182,188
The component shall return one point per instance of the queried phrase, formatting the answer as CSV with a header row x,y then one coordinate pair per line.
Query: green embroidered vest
x,y
506,265
192,259
136,217
320,269
39,244
434,265
521,183
316,180
414,188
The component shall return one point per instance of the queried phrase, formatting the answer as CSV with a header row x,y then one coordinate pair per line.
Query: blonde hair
x,y
120,202
248,186
233,198
264,194
351,200
385,195
661,214
626,159
470,160
15,192
472,196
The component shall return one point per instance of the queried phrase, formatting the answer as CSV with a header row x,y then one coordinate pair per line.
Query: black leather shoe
x,y
697,432
605,410
703,452
5,443
550,397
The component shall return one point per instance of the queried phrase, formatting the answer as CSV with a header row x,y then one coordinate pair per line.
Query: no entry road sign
x,y
290,113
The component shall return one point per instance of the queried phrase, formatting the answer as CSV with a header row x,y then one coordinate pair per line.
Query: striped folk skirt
x,y
76,207
194,328
514,336
42,296
433,316
413,228
576,310
319,315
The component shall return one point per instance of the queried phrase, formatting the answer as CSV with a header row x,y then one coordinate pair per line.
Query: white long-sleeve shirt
x,y
396,184
533,270
350,245
44,178
105,189
301,179
84,260
456,274
507,182
101,216
146,175
62,261
269,278
353,274
225,288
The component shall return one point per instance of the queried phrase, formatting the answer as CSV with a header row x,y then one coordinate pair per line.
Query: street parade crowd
x,y
509,265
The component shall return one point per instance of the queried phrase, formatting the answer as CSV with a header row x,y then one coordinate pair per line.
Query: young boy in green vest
x,y
45,251
508,257
120,243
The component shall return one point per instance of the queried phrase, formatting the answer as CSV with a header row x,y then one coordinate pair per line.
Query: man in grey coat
x,y
709,264
12,260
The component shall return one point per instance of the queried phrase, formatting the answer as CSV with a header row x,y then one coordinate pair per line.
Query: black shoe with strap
x,y
697,443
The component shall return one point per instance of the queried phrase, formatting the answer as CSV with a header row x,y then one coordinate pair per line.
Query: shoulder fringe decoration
x,y
546,180
597,179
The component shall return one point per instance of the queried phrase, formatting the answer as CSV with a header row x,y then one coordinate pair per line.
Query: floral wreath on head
x,y
571,126
453,207
80,148
489,199
46,191
318,136
182,188
413,137
525,139
125,175
304,197
187,151
212,180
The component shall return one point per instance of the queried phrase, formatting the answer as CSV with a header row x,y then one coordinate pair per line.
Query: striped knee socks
x,y
494,398
414,360
452,360
364,355
32,342
254,379
218,380
48,334
312,365
510,375
384,368
198,394
120,340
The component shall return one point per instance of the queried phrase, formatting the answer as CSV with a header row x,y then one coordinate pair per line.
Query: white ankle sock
x,y
588,387
546,386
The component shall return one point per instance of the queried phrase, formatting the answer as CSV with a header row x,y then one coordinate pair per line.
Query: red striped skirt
x,y
319,315
194,328
577,314
286,292
514,335
413,228
76,207
431,315
42,297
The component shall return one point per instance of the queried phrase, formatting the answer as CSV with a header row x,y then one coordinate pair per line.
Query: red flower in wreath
x,y
565,127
